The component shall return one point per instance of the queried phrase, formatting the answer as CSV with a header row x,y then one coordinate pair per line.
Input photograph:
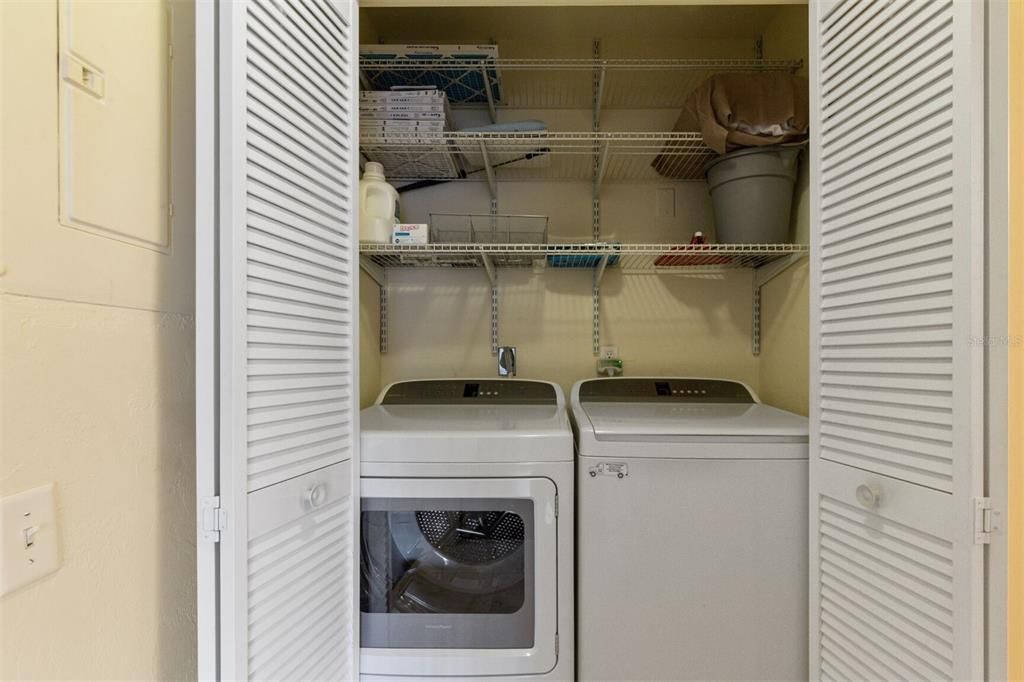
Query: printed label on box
x,y
410,233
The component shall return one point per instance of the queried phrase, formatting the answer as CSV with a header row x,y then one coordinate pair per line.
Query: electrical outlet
x,y
29,542
609,352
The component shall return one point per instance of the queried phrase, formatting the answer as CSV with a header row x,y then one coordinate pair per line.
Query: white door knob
x,y
316,496
868,496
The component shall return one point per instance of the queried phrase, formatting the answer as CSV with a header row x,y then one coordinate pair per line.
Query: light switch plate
x,y
29,541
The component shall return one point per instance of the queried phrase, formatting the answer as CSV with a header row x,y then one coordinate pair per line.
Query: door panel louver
x,y
887,251
897,299
886,593
299,229
298,571
277,300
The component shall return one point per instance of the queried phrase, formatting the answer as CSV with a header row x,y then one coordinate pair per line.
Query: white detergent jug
x,y
378,205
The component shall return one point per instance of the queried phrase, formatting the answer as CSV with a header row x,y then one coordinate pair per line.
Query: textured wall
x,y
96,384
784,368
99,400
369,340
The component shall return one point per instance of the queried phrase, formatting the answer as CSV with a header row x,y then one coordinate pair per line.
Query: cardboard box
x,y
410,233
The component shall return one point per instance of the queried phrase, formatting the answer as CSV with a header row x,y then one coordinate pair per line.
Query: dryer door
x,y
458,576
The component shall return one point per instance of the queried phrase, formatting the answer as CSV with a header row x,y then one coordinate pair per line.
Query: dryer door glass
x,y
447,572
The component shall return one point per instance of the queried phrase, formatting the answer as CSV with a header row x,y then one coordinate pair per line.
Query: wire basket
x,y
486,228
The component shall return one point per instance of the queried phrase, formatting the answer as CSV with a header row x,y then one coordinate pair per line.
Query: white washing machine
x,y
467,532
692,532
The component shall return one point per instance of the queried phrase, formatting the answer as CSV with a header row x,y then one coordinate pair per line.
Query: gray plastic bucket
x,y
752,194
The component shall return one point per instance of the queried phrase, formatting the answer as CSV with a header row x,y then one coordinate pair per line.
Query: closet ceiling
x,y
557,30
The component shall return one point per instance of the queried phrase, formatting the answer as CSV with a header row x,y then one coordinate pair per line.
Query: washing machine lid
x,y
693,421
504,421
467,420
662,414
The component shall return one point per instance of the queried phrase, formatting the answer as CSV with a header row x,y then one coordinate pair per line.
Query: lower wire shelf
x,y
629,258
765,261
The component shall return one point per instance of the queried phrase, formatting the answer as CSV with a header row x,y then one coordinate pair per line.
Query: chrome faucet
x,y
506,361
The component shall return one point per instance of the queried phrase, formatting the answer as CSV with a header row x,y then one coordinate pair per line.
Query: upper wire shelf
x,y
560,83
492,157
629,258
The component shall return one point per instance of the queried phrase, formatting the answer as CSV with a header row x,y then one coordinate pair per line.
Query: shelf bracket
x,y
600,154
762,276
602,165
375,271
490,94
599,271
596,306
488,264
491,180
596,302
770,271
599,94
494,316
382,334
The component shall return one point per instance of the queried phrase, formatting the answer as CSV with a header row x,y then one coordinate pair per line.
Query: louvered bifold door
x,y
896,307
287,406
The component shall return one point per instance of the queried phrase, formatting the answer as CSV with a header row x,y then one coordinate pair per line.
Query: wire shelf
x,y
494,157
561,83
629,258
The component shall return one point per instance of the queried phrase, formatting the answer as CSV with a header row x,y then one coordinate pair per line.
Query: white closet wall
x,y
783,364
369,300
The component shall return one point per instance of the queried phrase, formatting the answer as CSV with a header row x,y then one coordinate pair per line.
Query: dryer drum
x,y
472,537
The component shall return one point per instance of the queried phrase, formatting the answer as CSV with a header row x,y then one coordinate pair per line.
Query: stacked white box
x,y
404,111
407,116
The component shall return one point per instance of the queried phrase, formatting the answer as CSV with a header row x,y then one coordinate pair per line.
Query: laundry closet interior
x,y
794,451
623,72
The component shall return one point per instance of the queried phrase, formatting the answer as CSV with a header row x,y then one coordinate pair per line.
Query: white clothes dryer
x,y
467,532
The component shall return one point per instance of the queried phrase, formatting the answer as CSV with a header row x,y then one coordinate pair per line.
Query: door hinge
x,y
556,644
213,518
556,506
982,520
170,210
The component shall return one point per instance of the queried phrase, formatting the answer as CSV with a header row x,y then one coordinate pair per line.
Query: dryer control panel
x,y
664,390
471,392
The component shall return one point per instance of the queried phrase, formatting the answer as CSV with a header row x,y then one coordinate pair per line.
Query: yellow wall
x,y
1015,523
439,322
784,363
96,375
369,340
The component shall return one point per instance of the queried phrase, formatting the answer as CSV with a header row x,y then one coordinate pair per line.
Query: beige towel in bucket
x,y
735,110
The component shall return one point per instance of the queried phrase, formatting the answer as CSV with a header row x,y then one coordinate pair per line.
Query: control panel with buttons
x,y
664,390
471,392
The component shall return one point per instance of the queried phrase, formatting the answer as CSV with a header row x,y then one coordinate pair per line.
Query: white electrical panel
x,y
115,121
